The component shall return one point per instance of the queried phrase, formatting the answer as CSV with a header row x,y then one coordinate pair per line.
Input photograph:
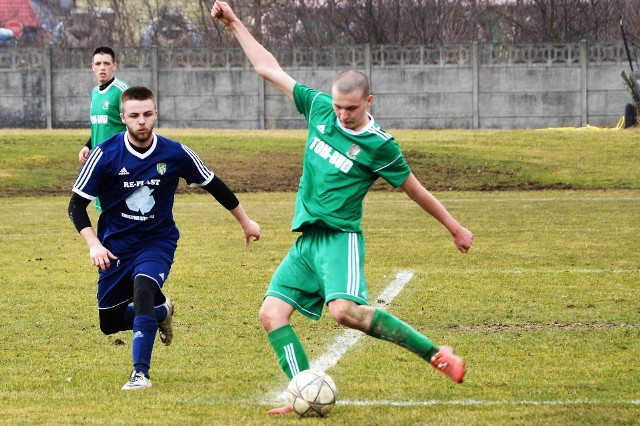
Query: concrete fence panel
x,y
465,86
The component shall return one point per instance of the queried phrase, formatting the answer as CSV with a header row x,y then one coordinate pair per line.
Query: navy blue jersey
x,y
137,190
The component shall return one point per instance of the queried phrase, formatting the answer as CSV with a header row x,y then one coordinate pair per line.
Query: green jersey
x,y
340,165
105,111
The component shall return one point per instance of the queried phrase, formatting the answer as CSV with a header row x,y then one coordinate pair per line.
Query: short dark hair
x,y
352,80
138,93
104,50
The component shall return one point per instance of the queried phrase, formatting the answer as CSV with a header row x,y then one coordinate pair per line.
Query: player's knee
x,y
348,314
266,316
272,316
341,317
115,319
108,327
144,291
341,313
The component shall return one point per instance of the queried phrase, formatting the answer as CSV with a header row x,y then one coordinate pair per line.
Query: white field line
x,y
472,402
443,197
349,337
532,271
437,402
568,196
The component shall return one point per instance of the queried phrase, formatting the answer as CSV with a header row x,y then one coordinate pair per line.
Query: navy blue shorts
x,y
115,285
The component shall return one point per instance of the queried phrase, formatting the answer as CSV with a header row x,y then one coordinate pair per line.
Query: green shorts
x,y
322,265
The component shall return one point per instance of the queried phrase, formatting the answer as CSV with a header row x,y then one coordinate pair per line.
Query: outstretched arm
x,y
262,60
251,229
462,237
229,201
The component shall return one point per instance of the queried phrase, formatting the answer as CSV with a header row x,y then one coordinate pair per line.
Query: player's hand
x,y
83,154
222,12
463,238
101,257
251,232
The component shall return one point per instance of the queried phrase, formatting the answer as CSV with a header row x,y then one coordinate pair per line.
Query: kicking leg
x,y
382,325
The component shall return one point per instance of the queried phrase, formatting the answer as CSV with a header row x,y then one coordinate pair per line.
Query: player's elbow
x,y
268,71
262,70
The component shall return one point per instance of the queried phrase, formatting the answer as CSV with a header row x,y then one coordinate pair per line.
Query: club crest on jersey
x,y
162,168
354,151
105,105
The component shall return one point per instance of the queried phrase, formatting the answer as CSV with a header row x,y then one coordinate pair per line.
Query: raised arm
x,y
262,60
462,237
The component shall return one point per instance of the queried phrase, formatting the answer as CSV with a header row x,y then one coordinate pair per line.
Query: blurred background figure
x,y
84,28
19,23
171,29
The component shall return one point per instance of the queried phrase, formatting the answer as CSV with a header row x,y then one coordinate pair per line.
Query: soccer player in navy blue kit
x,y
135,173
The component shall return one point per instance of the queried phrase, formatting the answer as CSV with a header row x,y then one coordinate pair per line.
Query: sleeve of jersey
x,y
196,172
391,165
88,180
303,97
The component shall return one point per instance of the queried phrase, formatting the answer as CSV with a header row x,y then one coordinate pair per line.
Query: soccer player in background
x,y
136,174
104,112
346,151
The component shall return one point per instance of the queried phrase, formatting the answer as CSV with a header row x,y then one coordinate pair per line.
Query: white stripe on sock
x,y
290,354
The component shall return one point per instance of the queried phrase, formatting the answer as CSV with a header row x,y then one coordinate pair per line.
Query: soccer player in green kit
x,y
346,152
105,100
104,112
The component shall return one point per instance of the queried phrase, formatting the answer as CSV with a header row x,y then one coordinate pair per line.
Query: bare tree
x,y
559,21
326,22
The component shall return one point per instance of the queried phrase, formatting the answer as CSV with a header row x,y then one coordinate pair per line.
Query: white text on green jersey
x,y
328,153
99,119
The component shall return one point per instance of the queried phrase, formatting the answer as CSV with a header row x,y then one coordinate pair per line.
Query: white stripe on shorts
x,y
353,268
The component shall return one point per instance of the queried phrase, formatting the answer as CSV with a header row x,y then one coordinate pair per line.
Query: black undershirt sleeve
x,y
78,212
222,193
88,144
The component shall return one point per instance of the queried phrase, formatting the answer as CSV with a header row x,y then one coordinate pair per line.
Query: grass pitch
x,y
545,309
46,161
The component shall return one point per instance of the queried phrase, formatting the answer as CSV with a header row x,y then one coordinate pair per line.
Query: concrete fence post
x,y
154,75
584,59
261,102
48,89
475,61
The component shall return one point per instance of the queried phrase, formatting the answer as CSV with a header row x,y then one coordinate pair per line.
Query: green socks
x,y
387,327
293,359
289,350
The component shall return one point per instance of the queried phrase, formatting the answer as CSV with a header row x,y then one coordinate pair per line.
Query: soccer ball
x,y
312,393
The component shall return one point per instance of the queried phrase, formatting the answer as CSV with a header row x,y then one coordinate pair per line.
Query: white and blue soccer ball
x,y
312,393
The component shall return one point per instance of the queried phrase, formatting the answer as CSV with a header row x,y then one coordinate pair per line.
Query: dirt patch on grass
x,y
280,172
496,328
